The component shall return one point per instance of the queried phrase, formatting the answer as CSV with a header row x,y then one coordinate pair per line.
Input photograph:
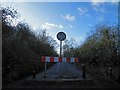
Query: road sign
x,y
58,59
61,36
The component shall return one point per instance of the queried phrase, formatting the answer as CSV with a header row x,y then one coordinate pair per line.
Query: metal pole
x,y
60,48
45,69
60,53
83,72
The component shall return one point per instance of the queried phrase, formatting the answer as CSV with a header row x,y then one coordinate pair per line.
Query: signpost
x,y
61,36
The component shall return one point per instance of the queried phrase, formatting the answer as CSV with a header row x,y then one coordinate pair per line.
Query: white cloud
x,y
69,17
35,27
104,1
71,26
98,2
97,6
13,1
57,0
60,26
83,11
79,40
50,26
101,18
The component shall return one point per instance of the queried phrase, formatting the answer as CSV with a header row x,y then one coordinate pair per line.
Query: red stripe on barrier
x,y
76,59
43,59
68,59
51,59
60,59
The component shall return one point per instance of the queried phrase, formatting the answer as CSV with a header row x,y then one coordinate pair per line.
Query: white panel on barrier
x,y
63,59
71,59
47,59
56,59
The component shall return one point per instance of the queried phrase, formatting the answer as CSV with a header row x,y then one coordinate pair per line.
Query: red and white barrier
x,y
58,59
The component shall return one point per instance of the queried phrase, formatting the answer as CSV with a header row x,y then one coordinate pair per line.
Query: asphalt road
x,y
61,70
61,75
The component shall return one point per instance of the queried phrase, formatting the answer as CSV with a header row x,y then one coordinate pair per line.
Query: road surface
x,y
61,71
61,75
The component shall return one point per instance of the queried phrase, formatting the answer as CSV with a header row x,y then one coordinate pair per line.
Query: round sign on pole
x,y
61,36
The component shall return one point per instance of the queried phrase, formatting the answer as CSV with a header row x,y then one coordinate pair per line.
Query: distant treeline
x,y
21,48
100,52
102,46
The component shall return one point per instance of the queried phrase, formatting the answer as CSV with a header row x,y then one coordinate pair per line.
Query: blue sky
x,y
74,18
